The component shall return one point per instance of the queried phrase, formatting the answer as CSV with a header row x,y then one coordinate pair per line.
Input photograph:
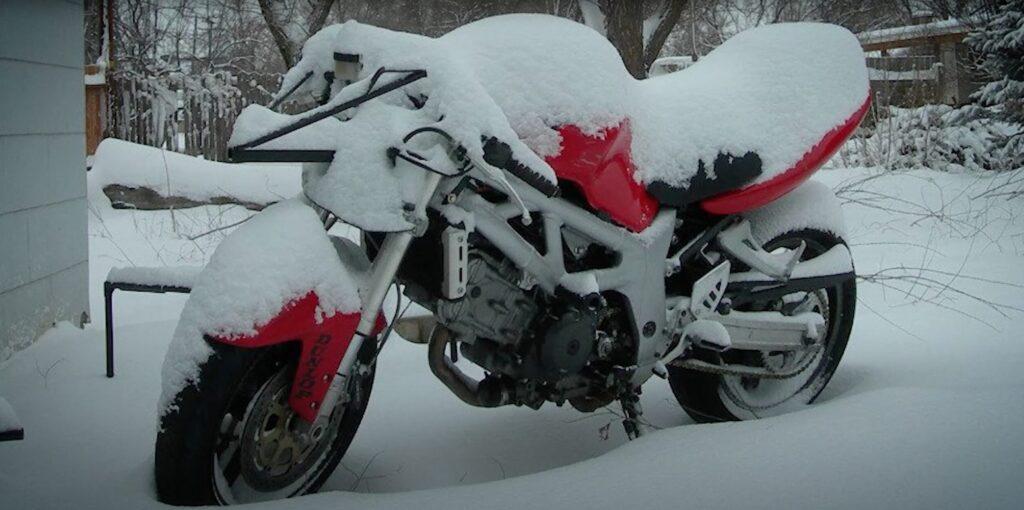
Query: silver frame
x,y
639,274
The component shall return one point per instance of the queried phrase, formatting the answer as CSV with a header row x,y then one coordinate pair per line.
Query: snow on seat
x,y
774,92
746,113
788,94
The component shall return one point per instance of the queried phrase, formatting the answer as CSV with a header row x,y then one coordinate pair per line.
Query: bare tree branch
x,y
667,18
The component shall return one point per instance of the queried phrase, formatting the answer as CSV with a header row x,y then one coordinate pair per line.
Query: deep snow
x,y
925,410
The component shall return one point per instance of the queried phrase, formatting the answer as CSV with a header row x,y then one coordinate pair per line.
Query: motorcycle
x,y
573,231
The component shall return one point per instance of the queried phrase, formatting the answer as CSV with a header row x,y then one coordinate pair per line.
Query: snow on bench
x,y
159,279
165,276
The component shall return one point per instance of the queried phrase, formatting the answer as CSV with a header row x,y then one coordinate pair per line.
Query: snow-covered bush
x,y
932,136
999,43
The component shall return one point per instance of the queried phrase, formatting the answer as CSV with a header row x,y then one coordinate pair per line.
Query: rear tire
x,y
708,397
191,439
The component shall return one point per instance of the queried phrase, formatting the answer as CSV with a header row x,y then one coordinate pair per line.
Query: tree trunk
x,y
624,26
281,39
669,16
289,48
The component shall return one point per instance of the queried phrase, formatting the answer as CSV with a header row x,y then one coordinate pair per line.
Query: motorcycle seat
x,y
766,103
769,105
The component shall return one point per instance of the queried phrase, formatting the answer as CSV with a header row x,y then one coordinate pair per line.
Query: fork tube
x,y
385,266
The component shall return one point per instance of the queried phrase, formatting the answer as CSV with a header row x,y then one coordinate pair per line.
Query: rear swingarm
x,y
746,292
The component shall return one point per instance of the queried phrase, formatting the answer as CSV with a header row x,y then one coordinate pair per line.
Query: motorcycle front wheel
x,y
710,397
232,437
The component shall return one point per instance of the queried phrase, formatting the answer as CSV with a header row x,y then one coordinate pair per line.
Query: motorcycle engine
x,y
494,306
520,333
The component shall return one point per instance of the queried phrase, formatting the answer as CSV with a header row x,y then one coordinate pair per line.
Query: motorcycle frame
x,y
638,274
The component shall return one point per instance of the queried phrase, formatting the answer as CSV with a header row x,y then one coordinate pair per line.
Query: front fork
x,y
382,274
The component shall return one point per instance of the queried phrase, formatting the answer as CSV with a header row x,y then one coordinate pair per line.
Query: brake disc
x,y
276,449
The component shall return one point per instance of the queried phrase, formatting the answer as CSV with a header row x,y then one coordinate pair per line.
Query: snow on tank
x,y
776,91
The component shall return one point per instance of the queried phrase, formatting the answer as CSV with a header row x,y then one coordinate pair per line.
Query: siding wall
x,y
43,211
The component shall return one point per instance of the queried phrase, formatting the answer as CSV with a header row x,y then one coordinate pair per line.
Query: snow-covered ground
x,y
926,410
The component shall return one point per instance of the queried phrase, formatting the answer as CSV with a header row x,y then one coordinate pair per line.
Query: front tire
x,y
708,397
231,437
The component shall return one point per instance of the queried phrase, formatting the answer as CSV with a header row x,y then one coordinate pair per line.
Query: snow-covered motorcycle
x,y
573,232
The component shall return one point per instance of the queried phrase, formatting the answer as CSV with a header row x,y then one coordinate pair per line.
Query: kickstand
x,y
631,413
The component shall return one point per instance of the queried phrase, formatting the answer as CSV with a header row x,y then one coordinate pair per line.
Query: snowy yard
x,y
925,411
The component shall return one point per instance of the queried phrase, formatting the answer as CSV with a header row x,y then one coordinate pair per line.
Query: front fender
x,y
278,278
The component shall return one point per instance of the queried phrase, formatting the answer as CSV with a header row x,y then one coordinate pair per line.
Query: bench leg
x,y
108,297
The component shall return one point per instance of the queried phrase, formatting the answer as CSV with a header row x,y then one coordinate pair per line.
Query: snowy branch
x,y
658,27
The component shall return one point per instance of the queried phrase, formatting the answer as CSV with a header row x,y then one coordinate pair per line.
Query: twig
x,y
46,375
218,229
500,466
361,476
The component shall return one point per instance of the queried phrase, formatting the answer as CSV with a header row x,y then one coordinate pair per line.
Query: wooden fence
x,y
184,114
906,81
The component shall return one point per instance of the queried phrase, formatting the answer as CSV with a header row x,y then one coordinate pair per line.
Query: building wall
x,y
43,211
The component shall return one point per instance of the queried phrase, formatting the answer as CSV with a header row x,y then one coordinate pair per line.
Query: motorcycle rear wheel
x,y
230,438
709,397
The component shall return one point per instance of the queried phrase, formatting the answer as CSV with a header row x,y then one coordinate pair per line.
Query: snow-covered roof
x,y
894,34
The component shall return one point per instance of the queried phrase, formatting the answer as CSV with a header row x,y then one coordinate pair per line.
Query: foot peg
x,y
708,334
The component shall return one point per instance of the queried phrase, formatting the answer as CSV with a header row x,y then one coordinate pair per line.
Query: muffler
x,y
489,392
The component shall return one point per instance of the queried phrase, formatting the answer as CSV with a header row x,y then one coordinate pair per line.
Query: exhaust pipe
x,y
486,393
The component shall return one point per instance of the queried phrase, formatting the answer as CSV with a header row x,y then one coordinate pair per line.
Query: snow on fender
x,y
813,205
277,278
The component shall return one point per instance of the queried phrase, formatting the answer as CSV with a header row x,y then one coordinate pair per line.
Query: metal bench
x,y
159,280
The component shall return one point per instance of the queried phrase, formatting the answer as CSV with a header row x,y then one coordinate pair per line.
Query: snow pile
x,y
775,90
932,136
276,257
169,174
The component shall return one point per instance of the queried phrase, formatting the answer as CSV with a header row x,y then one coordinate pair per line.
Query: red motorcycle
x,y
572,230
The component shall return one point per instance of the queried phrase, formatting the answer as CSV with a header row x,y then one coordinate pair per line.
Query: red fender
x,y
323,345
